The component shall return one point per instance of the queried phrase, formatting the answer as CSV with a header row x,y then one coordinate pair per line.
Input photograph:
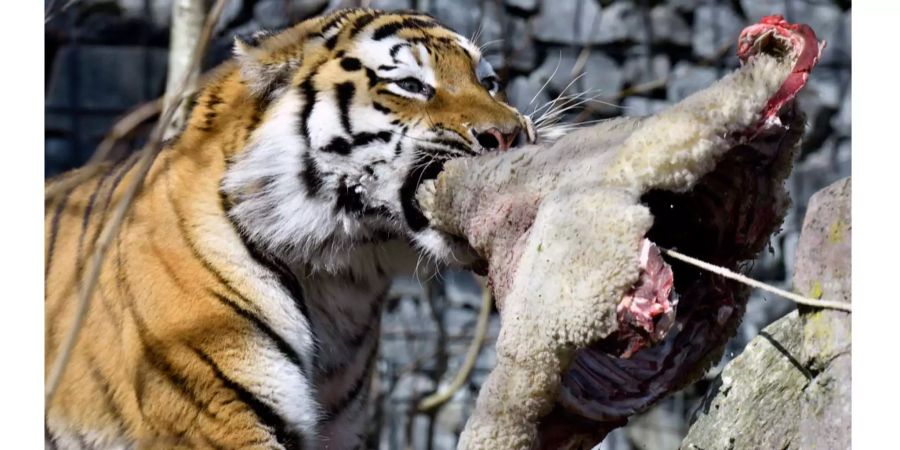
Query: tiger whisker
x,y
558,62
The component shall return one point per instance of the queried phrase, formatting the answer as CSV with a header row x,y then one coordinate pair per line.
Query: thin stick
x,y
122,129
153,147
758,284
439,398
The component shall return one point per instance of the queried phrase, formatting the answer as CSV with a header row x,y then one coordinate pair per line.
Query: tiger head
x,y
358,109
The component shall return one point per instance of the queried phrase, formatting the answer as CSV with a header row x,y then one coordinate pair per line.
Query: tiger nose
x,y
494,139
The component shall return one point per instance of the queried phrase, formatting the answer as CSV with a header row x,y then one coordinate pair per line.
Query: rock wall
x,y
791,387
633,57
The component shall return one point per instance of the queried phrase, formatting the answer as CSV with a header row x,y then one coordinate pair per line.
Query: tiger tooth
x,y
425,196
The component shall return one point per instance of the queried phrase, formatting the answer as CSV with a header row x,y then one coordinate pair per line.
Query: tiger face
x,y
360,109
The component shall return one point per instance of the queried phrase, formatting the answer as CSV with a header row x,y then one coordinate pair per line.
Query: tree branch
x,y
439,398
111,229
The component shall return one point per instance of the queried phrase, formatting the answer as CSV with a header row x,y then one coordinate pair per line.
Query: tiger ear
x,y
263,76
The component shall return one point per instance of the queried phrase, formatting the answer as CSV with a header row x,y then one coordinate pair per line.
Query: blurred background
x,y
106,58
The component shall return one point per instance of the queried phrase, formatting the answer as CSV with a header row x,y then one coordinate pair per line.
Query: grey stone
x,y
524,5
462,290
271,14
450,420
715,28
568,22
790,388
463,16
668,429
459,321
412,384
105,77
762,309
557,70
518,90
59,155
302,9
739,410
229,13
390,5
490,34
602,76
642,106
822,98
820,168
159,12
522,54
847,35
641,69
823,254
687,79
824,271
757,9
668,26
830,25
619,22
687,5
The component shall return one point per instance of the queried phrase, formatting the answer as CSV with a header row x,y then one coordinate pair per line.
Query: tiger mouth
x,y
421,172
675,321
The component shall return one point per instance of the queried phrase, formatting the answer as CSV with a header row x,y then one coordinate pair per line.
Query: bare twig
x,y
187,25
439,398
153,147
50,13
758,284
121,130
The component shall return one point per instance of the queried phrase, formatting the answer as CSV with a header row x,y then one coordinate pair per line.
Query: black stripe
x,y
311,176
348,200
309,101
80,257
267,416
357,385
332,41
399,148
351,64
373,77
386,67
393,28
381,108
337,145
54,230
454,144
387,30
286,276
387,92
366,138
107,394
159,363
122,169
283,347
395,49
167,267
345,92
370,324
49,440
157,360
335,20
363,21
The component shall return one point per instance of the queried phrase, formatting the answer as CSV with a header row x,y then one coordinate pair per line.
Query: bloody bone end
x,y
647,311
775,35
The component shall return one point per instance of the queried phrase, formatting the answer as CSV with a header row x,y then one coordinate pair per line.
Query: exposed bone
x,y
560,225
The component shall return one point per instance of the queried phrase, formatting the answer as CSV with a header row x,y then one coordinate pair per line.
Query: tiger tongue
x,y
647,311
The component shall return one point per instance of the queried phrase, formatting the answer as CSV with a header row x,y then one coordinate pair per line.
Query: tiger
x,y
239,302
